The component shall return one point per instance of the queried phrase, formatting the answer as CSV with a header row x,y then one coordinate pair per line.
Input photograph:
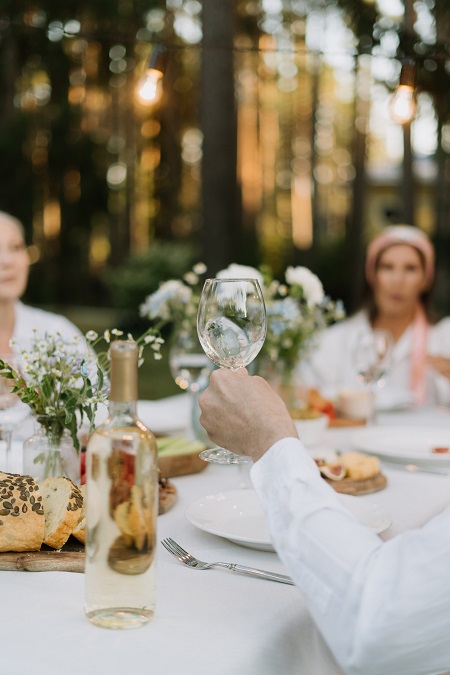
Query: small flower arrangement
x,y
176,301
64,381
296,310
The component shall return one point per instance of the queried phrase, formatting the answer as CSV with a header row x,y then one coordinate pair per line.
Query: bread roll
x,y
21,513
359,466
62,506
80,530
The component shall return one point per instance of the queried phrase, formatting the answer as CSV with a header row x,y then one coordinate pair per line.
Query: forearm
x,y
371,601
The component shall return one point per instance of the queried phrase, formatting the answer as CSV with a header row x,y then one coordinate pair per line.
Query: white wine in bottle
x,y
121,506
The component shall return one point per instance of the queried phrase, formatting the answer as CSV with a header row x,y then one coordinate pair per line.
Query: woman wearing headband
x,y
16,319
399,274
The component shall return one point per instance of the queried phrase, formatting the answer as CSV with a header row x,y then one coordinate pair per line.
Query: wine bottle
x,y
121,506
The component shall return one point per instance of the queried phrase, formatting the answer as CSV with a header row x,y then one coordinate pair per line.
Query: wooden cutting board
x,y
347,486
181,465
345,422
69,559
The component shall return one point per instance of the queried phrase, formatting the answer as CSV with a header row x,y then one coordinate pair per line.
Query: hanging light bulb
x,y
403,101
149,86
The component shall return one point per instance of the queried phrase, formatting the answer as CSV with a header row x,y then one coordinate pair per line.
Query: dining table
x,y
211,622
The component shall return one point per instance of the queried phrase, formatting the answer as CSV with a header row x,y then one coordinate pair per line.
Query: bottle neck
x,y
124,379
122,409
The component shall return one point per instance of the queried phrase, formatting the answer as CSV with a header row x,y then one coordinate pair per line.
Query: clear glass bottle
x,y
121,506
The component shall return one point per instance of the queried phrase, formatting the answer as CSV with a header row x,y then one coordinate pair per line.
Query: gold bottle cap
x,y
124,371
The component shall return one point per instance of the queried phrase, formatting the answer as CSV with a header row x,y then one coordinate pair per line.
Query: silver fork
x,y
189,560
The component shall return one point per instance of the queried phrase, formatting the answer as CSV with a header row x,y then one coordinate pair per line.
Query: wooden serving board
x,y
180,465
347,486
167,498
345,422
69,559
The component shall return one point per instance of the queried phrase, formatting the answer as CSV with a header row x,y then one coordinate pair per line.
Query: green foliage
x,y
142,273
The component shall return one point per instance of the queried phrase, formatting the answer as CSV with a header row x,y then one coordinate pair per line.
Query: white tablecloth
x,y
211,622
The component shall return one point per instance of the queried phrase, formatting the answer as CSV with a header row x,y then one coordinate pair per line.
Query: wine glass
x,y
189,365
372,361
190,368
12,410
232,326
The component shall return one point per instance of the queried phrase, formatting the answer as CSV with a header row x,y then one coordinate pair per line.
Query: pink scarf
x,y
419,355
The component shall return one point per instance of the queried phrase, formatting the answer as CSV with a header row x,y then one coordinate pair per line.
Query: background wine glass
x,y
232,326
372,361
12,411
190,368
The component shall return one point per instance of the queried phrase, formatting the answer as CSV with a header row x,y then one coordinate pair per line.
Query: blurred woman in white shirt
x,y
16,319
399,274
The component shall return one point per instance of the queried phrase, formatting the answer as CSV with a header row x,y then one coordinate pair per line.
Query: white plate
x,y
237,515
404,444
169,416
393,399
162,417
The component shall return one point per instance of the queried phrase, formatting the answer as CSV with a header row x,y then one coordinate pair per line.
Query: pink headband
x,y
400,234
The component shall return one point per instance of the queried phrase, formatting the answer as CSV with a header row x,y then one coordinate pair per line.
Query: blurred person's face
x,y
399,280
13,262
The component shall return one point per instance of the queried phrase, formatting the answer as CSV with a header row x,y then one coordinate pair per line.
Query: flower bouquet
x,y
297,311
63,382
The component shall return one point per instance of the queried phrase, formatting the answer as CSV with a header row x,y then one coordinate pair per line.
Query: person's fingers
x,y
242,371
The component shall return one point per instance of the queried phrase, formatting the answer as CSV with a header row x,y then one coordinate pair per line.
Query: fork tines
x,y
175,549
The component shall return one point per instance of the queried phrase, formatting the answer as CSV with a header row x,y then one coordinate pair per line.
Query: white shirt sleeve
x,y
383,608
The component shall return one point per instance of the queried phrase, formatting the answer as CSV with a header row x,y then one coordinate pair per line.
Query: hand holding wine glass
x,y
232,326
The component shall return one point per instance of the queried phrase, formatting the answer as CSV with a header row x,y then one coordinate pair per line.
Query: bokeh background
x,y
271,141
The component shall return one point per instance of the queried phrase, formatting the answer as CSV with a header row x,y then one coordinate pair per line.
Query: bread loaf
x,y
359,466
63,502
49,512
80,530
21,513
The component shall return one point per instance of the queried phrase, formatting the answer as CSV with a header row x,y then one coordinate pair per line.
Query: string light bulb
x,y
403,101
149,86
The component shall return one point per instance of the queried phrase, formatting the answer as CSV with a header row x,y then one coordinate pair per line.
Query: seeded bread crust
x,y
21,513
80,530
63,502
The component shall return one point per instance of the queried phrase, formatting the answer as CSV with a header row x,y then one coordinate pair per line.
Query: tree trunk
x,y
407,192
355,231
220,204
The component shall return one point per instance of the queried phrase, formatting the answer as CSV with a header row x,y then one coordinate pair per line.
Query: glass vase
x,y
50,452
281,377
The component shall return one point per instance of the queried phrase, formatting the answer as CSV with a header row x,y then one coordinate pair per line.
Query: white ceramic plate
x,y
171,416
404,444
388,399
163,418
237,515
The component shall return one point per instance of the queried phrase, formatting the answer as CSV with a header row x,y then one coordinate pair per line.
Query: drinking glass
x,y
190,368
232,326
372,361
12,411
189,365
